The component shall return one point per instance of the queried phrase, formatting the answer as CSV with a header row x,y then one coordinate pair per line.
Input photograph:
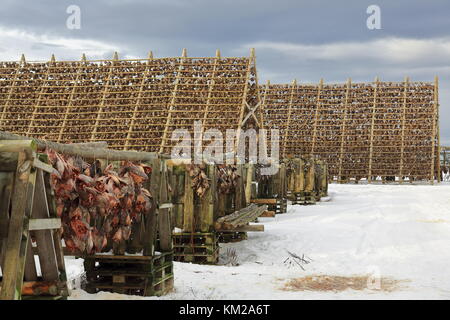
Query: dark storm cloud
x,y
307,40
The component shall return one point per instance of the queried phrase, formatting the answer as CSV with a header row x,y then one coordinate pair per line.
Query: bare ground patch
x,y
342,283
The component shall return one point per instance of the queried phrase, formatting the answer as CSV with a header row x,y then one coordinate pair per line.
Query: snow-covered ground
x,y
399,231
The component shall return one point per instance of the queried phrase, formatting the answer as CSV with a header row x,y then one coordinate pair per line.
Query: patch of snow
x,y
397,231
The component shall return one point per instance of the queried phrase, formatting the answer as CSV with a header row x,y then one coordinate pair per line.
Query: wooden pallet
x,y
201,248
28,211
304,198
278,205
227,237
138,275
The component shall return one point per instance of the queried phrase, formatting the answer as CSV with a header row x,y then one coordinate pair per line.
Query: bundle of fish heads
x,y
200,181
227,178
98,207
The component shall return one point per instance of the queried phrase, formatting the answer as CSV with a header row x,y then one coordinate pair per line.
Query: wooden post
x,y
164,219
188,219
248,183
316,116
44,238
402,150
208,202
299,183
343,131
435,133
374,108
151,217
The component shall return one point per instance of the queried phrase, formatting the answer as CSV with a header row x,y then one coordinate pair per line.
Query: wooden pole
x,y
85,152
172,101
343,131
316,116
251,61
138,99
369,178
435,132
105,91
402,150
286,129
72,93
40,94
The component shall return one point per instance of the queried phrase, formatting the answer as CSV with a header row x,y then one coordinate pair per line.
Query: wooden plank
x,y
43,166
248,183
6,181
150,218
268,214
239,201
249,228
208,201
44,238
30,271
11,271
164,218
188,219
44,224
264,201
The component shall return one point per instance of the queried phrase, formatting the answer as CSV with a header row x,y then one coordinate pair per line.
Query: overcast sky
x,y
306,40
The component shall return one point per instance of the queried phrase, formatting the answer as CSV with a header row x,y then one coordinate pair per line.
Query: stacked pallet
x,y
271,189
307,179
202,195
